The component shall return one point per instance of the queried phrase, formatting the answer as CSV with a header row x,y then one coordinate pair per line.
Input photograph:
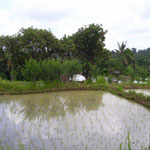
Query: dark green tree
x,y
67,48
11,54
38,43
89,44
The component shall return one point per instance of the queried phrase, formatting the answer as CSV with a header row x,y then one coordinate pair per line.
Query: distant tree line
x,y
32,49
130,62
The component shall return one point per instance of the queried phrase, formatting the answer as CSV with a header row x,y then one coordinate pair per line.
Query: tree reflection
x,y
52,105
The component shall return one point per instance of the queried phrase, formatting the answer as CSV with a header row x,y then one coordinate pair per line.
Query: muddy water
x,y
74,120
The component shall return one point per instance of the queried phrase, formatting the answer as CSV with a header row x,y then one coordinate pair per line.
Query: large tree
x,y
39,43
10,54
89,44
67,48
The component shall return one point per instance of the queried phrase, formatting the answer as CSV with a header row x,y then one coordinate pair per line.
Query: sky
x,y
125,20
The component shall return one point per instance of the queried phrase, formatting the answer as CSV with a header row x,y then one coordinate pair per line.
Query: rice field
x,y
146,92
72,120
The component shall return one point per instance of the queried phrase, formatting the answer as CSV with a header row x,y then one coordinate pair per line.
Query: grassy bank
x,y
135,85
131,95
19,87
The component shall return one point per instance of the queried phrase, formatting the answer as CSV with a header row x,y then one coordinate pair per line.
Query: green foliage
x,y
14,74
2,75
31,70
72,67
129,71
143,59
67,48
38,43
102,82
5,85
95,71
89,41
51,70
126,55
90,71
142,72
89,44
115,64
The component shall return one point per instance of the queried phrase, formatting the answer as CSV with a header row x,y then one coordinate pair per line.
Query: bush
x,y
94,71
72,67
14,74
51,70
3,76
101,82
31,70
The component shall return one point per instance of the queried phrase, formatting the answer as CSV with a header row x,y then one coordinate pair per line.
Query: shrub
x,y
101,82
31,70
51,70
72,67
14,74
94,71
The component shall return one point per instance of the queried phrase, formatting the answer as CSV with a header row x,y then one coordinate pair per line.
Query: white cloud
x,y
4,17
40,9
124,19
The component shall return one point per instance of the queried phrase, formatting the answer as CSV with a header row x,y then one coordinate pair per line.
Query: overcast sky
x,y
124,19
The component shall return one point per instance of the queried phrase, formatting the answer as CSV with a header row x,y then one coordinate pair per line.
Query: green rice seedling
x,y
29,147
35,148
20,145
120,148
96,146
43,145
55,146
142,147
86,147
1,147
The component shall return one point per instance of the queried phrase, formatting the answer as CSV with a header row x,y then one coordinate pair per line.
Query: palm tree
x,y
121,52
126,55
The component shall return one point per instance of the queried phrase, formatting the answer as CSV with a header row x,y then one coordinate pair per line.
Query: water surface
x,y
72,120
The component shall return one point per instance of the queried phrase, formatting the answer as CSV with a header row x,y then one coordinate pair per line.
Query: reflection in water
x,y
72,120
53,105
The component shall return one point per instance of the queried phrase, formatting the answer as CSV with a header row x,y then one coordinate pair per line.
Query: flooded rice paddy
x,y
143,91
74,120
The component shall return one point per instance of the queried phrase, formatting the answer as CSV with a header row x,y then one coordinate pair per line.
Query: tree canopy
x,y
89,43
90,46
86,46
